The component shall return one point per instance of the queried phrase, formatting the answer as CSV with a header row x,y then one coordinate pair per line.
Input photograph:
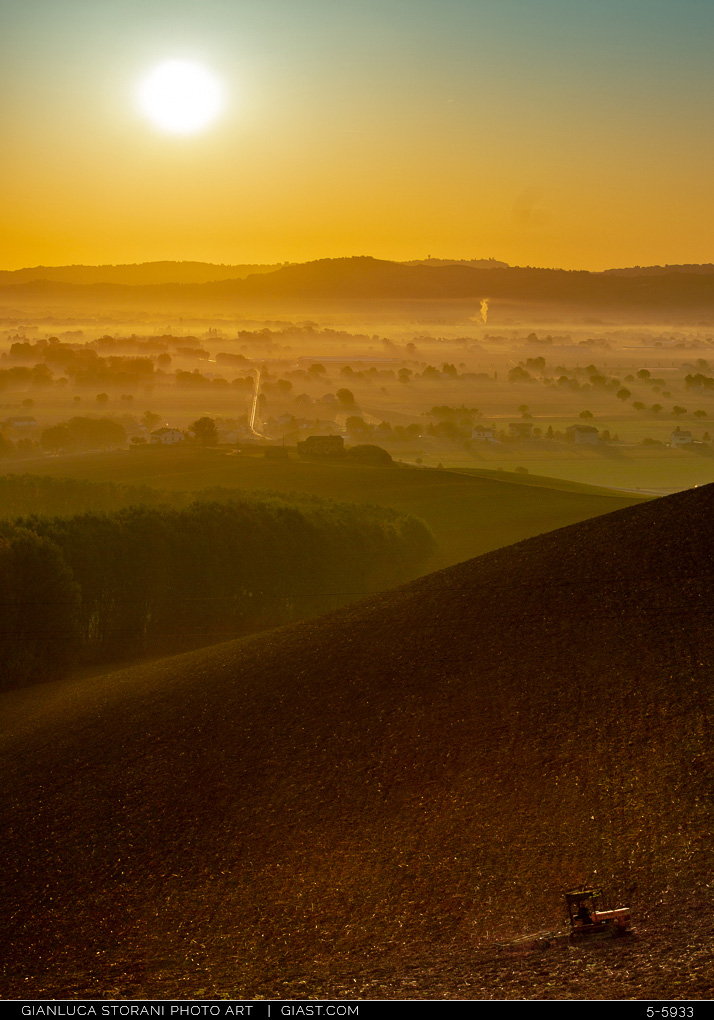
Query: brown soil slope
x,y
359,806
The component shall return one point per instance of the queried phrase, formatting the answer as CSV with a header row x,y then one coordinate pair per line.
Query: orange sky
x,y
550,134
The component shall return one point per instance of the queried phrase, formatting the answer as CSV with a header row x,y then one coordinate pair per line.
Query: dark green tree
x,y
7,447
150,420
346,397
39,626
357,426
519,374
56,438
205,431
366,453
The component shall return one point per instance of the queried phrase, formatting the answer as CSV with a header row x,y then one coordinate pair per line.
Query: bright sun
x,y
180,97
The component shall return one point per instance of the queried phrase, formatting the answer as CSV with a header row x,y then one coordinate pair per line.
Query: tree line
x,y
100,587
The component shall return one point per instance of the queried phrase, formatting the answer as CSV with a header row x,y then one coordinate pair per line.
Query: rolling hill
x,y
139,274
359,806
147,273
362,278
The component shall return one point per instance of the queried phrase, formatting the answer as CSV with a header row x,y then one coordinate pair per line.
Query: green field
x,y
631,467
469,513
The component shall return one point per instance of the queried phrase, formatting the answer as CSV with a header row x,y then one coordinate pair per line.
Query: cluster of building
x,y
331,446
585,435
524,430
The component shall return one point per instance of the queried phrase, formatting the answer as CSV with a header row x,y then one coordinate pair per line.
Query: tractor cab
x,y
587,918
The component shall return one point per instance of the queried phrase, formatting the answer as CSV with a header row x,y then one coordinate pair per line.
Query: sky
x,y
538,132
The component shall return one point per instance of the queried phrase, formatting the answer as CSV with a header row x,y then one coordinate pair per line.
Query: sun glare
x,y
180,97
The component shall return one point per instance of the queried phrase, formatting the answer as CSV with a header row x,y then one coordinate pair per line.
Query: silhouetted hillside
x,y
140,274
364,278
474,263
689,268
359,806
371,278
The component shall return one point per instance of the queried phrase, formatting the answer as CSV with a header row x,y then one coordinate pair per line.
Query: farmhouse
x,y
19,421
583,434
680,437
322,446
166,435
484,433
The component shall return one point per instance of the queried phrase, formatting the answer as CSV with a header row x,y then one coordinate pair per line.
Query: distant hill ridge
x,y
704,268
373,798
152,273
365,278
474,263
139,274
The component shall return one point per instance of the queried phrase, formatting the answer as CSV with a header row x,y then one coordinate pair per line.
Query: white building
x,y
167,436
680,437
584,434
20,421
484,433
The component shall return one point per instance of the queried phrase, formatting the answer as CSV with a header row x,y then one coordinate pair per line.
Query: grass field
x,y
630,467
469,513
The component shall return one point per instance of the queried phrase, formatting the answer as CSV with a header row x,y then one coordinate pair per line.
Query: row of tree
x,y
20,495
99,587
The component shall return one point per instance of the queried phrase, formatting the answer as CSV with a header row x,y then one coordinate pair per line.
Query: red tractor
x,y
586,918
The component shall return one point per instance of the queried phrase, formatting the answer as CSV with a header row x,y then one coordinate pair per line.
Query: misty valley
x,y
349,618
